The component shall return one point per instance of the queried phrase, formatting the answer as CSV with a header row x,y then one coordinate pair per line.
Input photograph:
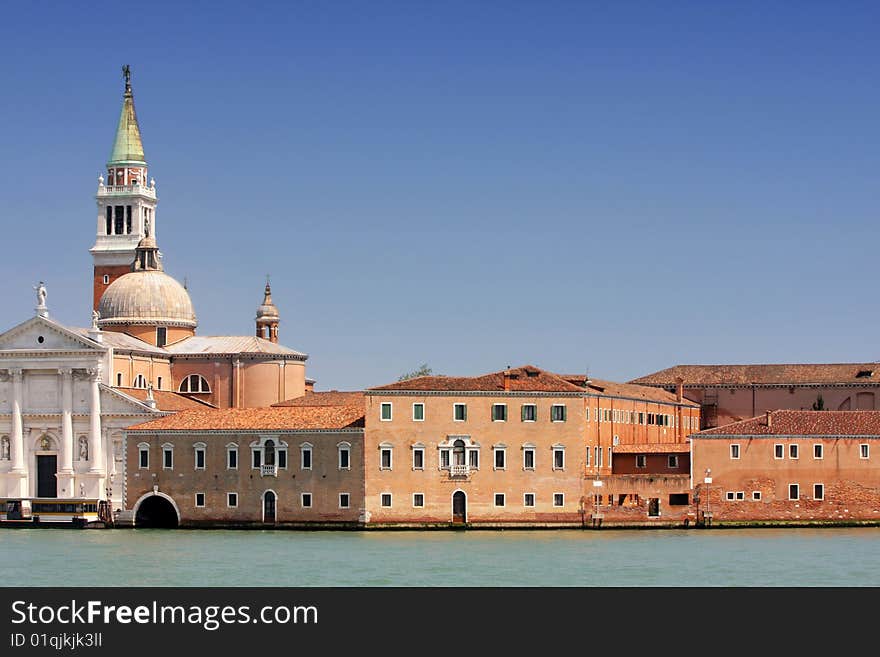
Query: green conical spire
x,y
127,148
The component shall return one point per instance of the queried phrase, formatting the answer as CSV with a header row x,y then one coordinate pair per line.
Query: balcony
x,y
126,190
268,471
459,470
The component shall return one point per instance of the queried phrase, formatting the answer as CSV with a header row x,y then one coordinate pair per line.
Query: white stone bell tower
x,y
126,201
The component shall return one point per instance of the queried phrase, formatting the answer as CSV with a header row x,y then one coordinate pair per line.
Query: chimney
x,y
769,417
507,378
679,389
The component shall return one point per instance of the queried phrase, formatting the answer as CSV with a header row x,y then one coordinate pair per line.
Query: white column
x,y
95,440
17,446
66,419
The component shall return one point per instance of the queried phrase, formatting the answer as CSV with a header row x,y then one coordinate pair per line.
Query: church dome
x,y
146,297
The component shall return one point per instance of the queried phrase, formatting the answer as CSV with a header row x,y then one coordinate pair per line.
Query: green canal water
x,y
144,557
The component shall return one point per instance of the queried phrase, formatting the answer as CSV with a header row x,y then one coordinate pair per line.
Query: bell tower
x,y
267,316
126,201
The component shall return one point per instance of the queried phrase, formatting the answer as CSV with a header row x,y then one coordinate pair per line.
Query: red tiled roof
x,y
167,400
802,423
655,448
522,379
330,398
612,389
765,374
258,419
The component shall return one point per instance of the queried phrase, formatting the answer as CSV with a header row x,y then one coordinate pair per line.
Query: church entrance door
x,y
47,483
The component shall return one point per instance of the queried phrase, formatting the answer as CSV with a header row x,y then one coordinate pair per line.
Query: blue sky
x,y
619,186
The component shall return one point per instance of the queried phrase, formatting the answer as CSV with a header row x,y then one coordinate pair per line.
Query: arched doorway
x,y
156,511
269,506
459,507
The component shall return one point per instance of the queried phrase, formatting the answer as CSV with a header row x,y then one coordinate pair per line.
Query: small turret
x,y
267,316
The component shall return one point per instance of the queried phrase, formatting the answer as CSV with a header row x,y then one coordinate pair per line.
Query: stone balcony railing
x,y
126,190
459,470
268,471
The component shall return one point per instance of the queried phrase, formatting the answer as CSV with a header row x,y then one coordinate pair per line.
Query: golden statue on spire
x,y
126,73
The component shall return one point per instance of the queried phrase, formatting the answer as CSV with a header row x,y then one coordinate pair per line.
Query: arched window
x,y
140,381
458,452
269,452
194,383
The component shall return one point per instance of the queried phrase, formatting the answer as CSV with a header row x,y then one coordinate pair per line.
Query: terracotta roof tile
x,y
802,423
656,448
330,398
612,389
258,419
522,379
798,373
166,400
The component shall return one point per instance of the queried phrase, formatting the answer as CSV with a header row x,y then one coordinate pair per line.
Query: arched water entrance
x,y
459,507
156,511
269,506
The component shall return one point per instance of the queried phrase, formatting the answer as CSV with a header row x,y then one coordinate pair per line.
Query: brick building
x,y
790,466
730,393
295,465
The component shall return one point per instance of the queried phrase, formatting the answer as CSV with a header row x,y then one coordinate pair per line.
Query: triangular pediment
x,y
26,336
114,402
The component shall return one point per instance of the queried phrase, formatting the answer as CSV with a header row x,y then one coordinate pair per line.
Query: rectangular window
x,y
818,491
344,458
418,500
158,383
306,500
161,336
598,457
500,459
529,412
474,458
444,458
558,459
672,461
864,451
119,220
167,458
200,500
587,461
609,457
792,451
818,451
200,458
418,412
730,496
232,500
529,459
756,495
557,413
499,499
778,451
529,499
344,500
306,458
793,491
734,451
109,224
386,500
641,461
385,414
559,499
418,458
282,459
128,220
459,412
740,496
499,412
144,458
385,459
256,457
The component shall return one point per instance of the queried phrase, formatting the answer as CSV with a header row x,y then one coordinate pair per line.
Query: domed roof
x,y
146,297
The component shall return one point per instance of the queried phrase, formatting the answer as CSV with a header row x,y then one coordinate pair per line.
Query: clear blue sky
x,y
621,186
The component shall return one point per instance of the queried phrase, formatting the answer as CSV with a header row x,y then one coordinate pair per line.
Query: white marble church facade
x,y
61,427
